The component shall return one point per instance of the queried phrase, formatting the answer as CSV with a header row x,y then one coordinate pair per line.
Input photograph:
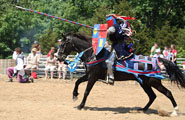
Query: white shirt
x,y
33,59
160,55
20,66
14,55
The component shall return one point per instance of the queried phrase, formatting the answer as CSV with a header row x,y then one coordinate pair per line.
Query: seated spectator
x,y
37,46
183,67
18,70
52,50
174,53
153,49
62,68
50,65
165,52
158,53
169,54
32,60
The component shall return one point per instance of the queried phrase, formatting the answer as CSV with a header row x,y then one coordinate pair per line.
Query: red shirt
x,y
174,51
184,63
49,53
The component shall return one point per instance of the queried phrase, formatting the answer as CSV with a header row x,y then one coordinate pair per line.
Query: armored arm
x,y
111,30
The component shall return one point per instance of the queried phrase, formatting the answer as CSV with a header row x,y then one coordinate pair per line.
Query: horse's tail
x,y
175,74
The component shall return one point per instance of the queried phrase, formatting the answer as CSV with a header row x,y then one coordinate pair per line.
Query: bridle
x,y
70,41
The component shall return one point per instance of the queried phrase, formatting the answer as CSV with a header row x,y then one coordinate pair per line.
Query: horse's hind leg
x,y
77,83
158,85
148,90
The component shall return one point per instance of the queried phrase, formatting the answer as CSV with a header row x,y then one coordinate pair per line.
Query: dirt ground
x,y
52,100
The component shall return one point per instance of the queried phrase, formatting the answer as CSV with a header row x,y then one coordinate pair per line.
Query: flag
x,y
72,65
111,21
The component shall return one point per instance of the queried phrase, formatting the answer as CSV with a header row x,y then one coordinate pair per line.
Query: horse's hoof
x,y
79,107
75,98
173,114
141,110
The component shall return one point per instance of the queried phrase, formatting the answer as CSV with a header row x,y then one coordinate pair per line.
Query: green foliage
x,y
181,38
166,35
181,53
156,21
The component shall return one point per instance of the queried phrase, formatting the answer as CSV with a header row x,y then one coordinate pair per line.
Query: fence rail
x,y
5,63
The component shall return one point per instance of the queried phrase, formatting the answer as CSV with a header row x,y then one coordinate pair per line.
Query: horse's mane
x,y
83,37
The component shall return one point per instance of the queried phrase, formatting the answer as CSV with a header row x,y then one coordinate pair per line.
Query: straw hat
x,y
34,50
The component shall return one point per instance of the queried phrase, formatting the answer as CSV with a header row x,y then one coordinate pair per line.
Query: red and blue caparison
x,y
132,66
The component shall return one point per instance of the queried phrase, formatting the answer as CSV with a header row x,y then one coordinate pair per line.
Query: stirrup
x,y
111,81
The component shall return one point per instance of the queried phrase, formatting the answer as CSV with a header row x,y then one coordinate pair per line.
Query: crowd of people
x,y
25,71
167,53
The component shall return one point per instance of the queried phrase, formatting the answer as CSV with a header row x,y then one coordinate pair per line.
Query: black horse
x,y
79,42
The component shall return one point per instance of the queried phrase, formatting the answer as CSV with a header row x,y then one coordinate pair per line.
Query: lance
x,y
69,21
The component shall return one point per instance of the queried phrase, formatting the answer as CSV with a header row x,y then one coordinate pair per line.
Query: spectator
x,y
32,60
174,53
153,49
59,43
165,52
62,68
18,70
52,50
50,65
37,46
183,67
158,53
169,54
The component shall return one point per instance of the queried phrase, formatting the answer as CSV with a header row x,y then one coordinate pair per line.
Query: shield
x,y
99,37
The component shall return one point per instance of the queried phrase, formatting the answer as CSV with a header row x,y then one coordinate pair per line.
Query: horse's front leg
x,y
90,84
77,83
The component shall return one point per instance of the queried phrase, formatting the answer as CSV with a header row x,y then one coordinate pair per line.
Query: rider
x,y
118,31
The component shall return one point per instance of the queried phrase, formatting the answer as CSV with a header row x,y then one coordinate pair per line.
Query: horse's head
x,y
73,42
66,47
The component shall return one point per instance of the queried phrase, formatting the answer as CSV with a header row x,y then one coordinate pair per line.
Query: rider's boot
x,y
110,78
110,63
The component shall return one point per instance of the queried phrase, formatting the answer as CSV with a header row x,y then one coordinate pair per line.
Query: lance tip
x,y
19,7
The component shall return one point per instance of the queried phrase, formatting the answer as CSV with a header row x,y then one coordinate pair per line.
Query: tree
x,y
156,21
166,35
180,43
154,13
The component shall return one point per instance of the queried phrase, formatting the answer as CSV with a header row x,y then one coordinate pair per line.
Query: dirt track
x,y
52,100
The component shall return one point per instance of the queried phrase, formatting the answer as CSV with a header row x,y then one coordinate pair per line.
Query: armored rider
x,y
119,30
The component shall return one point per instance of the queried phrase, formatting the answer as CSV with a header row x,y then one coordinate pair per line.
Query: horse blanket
x,y
135,65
